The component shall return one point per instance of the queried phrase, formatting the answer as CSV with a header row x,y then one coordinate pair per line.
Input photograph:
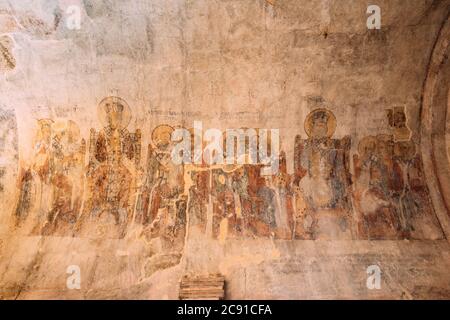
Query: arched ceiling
x,y
434,142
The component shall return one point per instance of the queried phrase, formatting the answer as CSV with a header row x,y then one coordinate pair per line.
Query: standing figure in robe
x,y
34,182
162,206
284,201
198,200
420,221
260,213
67,178
227,221
378,186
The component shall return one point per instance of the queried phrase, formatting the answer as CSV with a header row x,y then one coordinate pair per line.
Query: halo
x,y
103,112
331,123
41,124
366,141
45,122
229,168
69,127
405,150
162,135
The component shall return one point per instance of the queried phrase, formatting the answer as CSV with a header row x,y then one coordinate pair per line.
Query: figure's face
x,y
320,126
114,114
46,132
399,119
115,147
404,150
385,148
229,198
369,149
375,174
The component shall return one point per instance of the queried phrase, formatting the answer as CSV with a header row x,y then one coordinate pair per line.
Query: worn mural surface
x,y
103,189
86,118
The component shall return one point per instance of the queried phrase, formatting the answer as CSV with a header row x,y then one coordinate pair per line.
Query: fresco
x,y
390,194
392,201
8,147
323,180
161,204
51,191
102,189
111,177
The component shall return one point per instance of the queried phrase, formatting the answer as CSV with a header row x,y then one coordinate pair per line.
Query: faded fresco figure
x,y
398,123
264,205
161,204
419,220
67,178
114,159
284,201
226,222
34,183
323,178
386,198
9,160
198,200
378,184
51,188
391,200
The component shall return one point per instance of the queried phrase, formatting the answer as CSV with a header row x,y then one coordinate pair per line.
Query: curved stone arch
x,y
433,122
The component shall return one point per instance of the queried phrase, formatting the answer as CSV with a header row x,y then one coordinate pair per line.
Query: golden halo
x,y
124,113
331,122
42,124
45,122
229,168
162,135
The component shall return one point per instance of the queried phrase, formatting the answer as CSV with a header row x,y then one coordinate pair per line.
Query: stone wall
x,y
87,179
